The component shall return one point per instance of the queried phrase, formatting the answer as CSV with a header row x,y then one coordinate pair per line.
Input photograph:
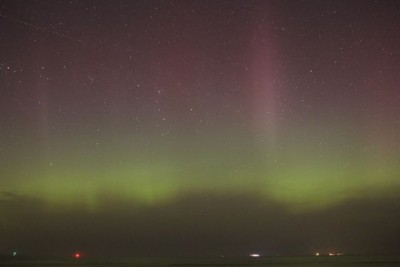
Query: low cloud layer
x,y
198,225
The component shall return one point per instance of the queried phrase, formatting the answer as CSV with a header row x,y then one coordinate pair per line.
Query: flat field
x,y
321,261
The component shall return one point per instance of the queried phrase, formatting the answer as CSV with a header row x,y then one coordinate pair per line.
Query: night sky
x,y
181,128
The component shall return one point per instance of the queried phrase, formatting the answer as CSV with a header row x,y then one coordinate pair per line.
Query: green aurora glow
x,y
302,175
199,126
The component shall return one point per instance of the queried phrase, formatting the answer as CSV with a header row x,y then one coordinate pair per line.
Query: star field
x,y
151,121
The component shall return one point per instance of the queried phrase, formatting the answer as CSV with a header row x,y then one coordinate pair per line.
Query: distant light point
x,y
255,255
77,255
317,254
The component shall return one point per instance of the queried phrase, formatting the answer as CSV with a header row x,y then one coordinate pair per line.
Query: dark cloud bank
x,y
199,225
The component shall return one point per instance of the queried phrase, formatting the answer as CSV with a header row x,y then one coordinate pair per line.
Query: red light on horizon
x,y
77,255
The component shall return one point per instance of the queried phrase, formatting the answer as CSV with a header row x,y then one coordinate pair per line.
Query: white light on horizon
x,y
255,255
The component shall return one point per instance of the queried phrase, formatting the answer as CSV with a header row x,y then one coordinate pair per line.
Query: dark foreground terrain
x,y
323,261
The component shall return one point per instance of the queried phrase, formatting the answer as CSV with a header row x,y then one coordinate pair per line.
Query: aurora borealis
x,y
154,128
